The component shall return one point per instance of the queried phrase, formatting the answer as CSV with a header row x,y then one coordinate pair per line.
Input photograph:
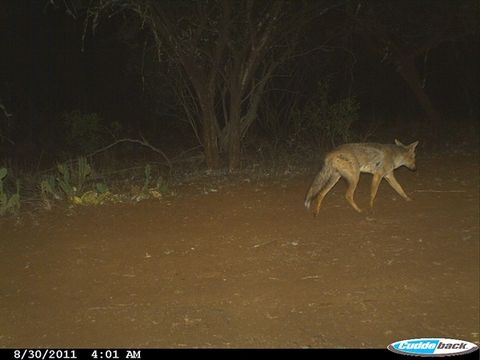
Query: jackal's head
x,y
408,158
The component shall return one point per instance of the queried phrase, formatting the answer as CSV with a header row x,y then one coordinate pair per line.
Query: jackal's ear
x,y
412,146
398,143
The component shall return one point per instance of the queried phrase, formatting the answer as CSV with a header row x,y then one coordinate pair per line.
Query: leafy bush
x,y
8,203
326,121
83,132
293,129
69,183
74,182
149,190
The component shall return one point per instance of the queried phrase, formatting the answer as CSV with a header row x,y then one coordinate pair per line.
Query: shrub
x,y
84,133
8,203
330,122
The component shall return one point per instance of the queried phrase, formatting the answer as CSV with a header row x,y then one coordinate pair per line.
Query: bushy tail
x,y
318,183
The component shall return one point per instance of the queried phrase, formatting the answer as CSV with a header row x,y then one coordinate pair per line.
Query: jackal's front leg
x,y
396,186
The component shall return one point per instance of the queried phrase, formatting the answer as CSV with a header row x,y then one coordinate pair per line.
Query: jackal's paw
x,y
408,199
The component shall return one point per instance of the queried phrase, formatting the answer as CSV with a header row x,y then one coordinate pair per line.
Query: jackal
x,y
349,160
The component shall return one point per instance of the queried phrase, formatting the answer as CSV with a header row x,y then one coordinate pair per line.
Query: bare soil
x,y
241,263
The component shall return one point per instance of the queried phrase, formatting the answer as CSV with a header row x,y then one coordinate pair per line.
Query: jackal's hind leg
x,y
352,179
328,186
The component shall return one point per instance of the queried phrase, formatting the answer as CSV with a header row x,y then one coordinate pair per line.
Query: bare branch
x,y
143,142
4,110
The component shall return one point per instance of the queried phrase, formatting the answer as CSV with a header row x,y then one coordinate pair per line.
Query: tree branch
x,y
143,142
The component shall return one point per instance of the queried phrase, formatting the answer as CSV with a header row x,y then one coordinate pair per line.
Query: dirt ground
x,y
241,263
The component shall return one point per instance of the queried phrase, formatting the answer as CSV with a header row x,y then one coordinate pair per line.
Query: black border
x,y
146,354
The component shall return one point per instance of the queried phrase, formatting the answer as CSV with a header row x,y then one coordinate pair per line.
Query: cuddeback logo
x,y
432,347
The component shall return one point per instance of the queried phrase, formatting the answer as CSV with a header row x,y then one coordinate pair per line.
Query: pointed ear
x,y
398,143
412,146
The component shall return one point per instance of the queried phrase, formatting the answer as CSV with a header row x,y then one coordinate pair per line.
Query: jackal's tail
x,y
318,183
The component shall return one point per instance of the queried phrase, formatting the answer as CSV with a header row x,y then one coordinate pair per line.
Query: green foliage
x,y
73,179
65,180
326,121
101,188
84,171
8,203
148,172
336,127
94,198
85,133
148,191
48,189
68,183
48,185
162,185
73,183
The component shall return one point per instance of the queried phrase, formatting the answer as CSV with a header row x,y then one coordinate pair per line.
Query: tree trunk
x,y
234,131
377,40
209,133
408,71
234,146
